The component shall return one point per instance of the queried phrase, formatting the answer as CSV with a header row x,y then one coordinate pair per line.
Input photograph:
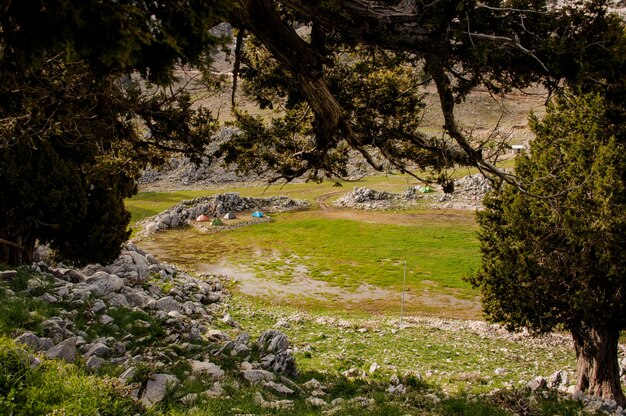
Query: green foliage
x,y
70,151
76,127
112,36
379,91
560,259
54,387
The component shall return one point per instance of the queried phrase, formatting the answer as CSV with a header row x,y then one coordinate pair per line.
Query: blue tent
x,y
257,214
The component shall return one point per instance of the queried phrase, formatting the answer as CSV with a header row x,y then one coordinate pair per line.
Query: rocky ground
x,y
468,193
172,318
159,328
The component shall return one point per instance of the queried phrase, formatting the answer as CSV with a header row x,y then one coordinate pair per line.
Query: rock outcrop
x,y
216,206
159,316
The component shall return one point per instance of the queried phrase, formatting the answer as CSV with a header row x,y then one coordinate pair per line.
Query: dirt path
x,y
322,201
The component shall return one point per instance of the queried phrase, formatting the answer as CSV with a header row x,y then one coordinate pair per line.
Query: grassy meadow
x,y
350,254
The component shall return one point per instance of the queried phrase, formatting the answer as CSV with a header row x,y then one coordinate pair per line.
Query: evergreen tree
x,y
559,261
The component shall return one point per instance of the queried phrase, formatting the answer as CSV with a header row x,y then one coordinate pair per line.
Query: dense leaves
x,y
147,36
358,66
77,123
560,261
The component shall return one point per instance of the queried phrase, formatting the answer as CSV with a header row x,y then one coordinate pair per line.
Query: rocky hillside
x,y
170,338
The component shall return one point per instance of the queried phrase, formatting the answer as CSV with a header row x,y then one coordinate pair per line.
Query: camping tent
x,y
257,214
230,216
201,218
217,221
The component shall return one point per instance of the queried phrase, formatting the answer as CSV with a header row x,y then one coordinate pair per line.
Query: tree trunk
x,y
597,367
18,251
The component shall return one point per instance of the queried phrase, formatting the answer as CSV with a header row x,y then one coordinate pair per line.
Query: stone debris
x,y
468,193
65,350
257,376
8,274
205,367
278,389
156,388
217,206
274,353
184,312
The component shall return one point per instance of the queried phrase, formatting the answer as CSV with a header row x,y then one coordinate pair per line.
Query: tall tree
x,y
83,108
72,145
559,262
460,45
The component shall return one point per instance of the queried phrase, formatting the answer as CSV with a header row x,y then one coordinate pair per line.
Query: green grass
x,y
54,388
344,253
348,253
455,358
146,204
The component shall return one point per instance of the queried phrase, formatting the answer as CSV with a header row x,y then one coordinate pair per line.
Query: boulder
x,y
205,367
168,304
257,376
278,389
101,283
65,350
136,298
316,402
94,363
274,353
156,388
35,342
558,379
536,384
8,274
98,349
57,329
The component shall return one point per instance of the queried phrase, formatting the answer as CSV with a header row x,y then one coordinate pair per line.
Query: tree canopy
x,y
458,45
86,87
76,122
560,261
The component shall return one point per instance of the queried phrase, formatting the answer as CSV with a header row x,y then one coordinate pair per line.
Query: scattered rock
x,y
128,374
558,379
278,389
273,347
257,376
156,388
354,373
65,350
102,283
374,367
277,405
536,384
316,402
168,304
35,342
98,349
94,363
57,329
8,274
205,367
215,391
